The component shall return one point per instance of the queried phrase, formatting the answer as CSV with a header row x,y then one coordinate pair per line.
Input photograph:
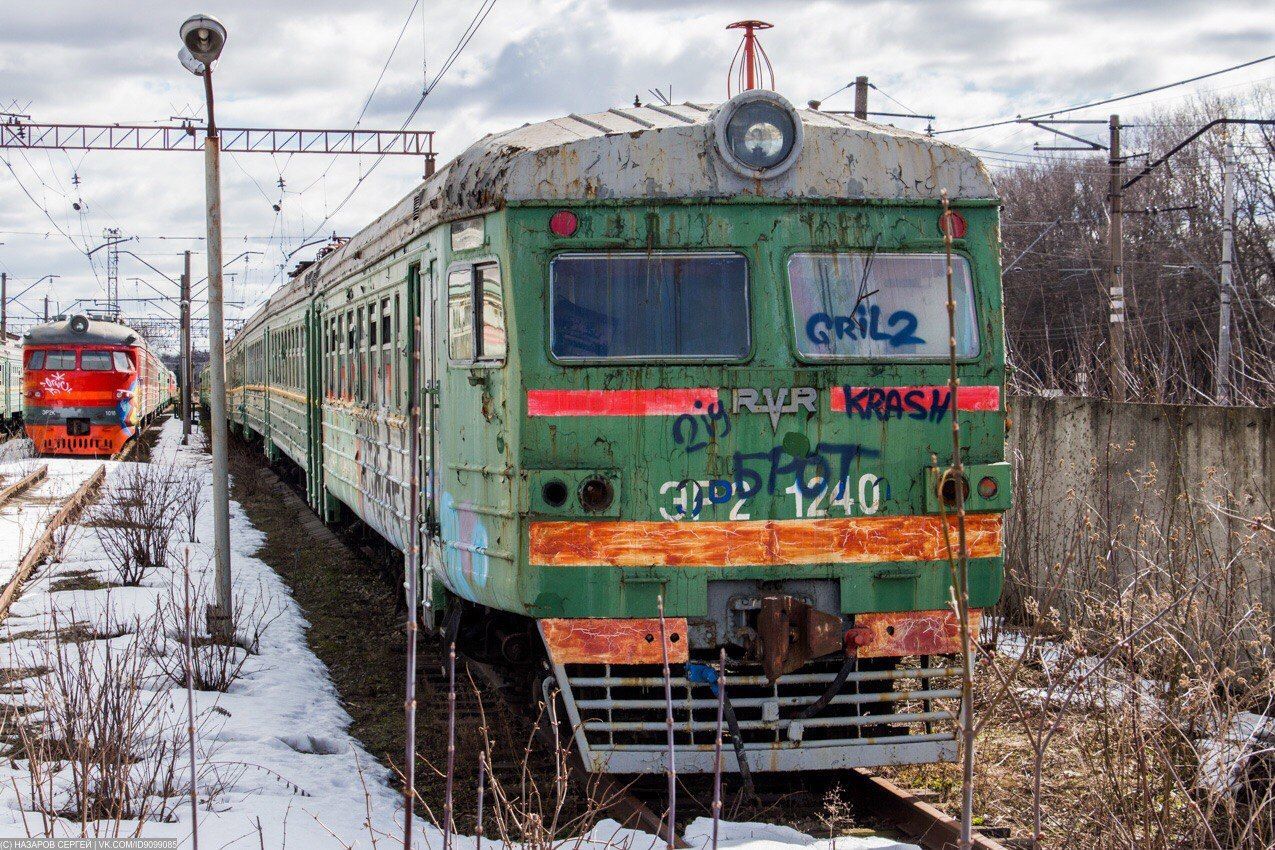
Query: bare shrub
x,y
102,746
211,664
135,523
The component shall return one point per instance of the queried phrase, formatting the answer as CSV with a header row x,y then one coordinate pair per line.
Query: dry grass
x,y
1128,658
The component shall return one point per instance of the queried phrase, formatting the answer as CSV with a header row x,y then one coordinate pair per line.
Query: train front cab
x,y
741,422
82,400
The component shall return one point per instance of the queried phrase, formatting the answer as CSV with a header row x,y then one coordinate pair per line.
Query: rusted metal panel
x,y
847,540
898,633
614,641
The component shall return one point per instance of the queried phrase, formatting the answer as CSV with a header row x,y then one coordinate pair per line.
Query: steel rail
x,y
69,510
17,487
919,821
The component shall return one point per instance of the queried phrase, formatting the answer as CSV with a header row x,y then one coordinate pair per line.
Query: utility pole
x,y
4,306
203,39
221,613
46,309
1115,242
185,354
861,98
1222,368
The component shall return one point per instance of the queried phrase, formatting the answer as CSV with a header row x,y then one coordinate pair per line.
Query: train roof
x,y
655,152
97,332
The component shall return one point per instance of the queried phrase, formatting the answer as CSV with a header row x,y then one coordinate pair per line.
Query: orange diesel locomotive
x,y
89,384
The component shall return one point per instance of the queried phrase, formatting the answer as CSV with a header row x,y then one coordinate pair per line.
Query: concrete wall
x,y
1088,470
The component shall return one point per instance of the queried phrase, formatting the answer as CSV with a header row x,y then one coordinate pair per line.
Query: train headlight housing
x,y
759,133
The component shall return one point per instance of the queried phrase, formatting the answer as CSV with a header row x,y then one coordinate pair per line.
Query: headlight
x,y
759,134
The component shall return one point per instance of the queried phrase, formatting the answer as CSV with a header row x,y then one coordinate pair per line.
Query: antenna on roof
x,y
747,74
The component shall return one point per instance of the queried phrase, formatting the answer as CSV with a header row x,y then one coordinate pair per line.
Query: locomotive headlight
x,y
759,134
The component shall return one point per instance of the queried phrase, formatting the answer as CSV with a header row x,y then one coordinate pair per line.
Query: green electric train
x,y
695,354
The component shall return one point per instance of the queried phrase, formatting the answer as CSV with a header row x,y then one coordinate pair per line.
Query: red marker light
x,y
564,223
987,488
953,223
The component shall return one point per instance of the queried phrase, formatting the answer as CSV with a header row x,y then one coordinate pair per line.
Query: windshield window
x,y
60,360
122,363
95,361
649,306
36,360
879,307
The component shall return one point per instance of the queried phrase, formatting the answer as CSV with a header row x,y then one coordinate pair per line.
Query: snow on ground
x,y
276,764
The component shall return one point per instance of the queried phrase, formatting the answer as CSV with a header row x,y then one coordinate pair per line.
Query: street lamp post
x,y
203,38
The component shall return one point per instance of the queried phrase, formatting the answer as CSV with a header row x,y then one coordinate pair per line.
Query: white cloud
x,y
311,63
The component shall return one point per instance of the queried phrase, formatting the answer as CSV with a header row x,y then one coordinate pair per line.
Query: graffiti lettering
x,y
56,384
757,472
715,421
865,324
884,403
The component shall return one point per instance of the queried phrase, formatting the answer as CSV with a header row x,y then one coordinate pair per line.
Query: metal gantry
x,y
18,133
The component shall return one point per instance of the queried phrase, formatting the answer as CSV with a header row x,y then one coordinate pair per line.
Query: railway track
x,y
68,510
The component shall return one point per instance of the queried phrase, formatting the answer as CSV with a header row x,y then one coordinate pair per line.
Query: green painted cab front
x,y
783,418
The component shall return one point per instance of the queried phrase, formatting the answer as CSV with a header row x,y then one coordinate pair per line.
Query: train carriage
x,y
692,354
89,385
10,380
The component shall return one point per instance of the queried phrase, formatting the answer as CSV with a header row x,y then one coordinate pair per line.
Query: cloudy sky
x,y
314,63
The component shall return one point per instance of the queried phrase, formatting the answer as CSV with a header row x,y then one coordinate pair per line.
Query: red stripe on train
x,y
662,402
986,399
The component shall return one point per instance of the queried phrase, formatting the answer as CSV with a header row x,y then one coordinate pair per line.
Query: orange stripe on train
x,y
857,540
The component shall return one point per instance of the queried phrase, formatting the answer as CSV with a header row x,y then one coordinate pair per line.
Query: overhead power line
x,y
467,36
1118,98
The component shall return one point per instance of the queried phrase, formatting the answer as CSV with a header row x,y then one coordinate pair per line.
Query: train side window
x,y
36,360
95,361
122,362
476,314
398,344
60,360
386,354
460,314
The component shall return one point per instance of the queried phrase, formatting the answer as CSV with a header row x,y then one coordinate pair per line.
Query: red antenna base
x,y
747,74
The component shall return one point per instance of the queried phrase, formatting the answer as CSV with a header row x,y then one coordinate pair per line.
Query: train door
x,y
422,305
315,360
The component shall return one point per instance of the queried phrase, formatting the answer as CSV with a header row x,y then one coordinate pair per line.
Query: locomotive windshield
x,y
95,361
56,360
879,306
649,306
